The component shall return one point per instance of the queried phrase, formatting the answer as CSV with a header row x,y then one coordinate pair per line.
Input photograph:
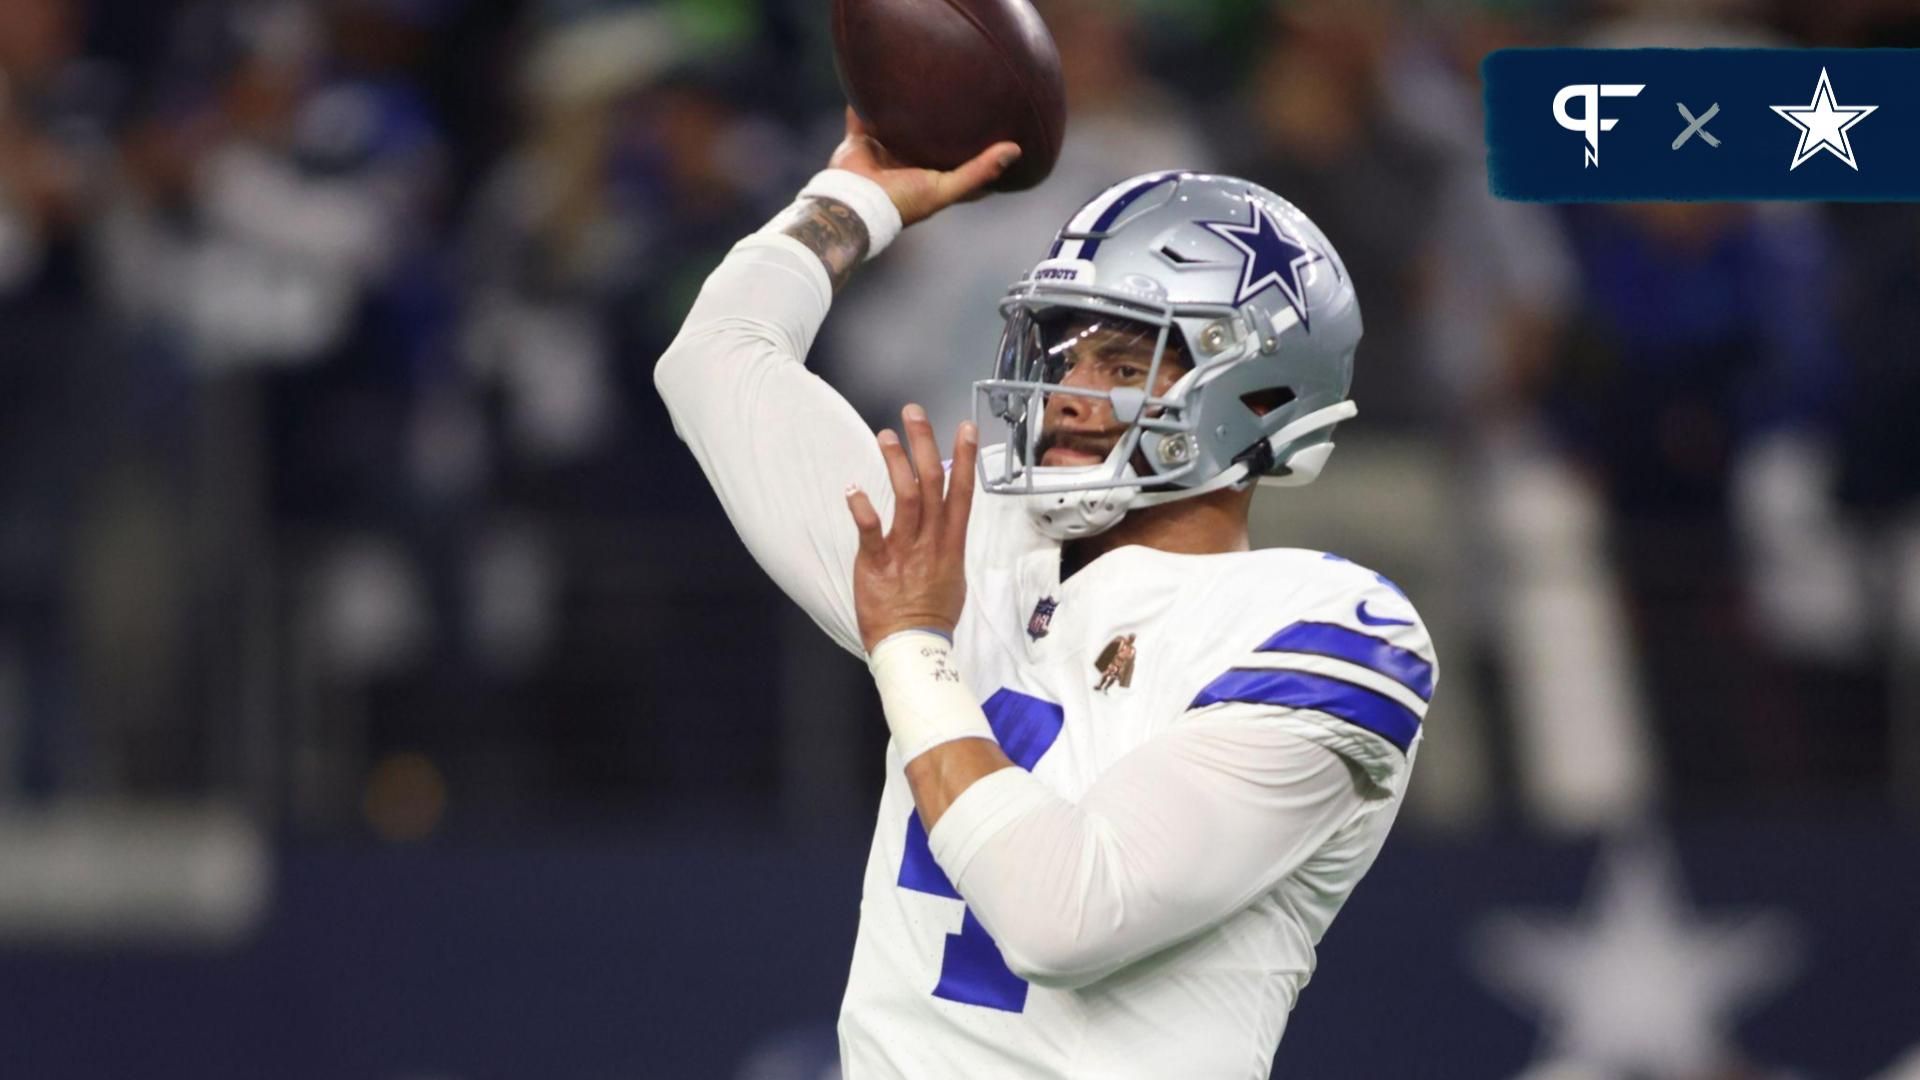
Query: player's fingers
x,y
857,127
966,458
906,489
873,542
926,455
972,178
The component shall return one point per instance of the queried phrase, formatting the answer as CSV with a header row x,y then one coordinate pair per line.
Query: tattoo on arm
x,y
830,229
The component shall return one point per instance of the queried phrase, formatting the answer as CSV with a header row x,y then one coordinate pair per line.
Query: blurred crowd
x,y
332,478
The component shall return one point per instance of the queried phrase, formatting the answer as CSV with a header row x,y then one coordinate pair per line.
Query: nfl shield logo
x,y
1042,618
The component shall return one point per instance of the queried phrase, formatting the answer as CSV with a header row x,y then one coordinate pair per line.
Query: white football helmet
x,y
1243,284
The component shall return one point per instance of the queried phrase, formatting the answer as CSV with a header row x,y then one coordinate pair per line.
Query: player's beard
x,y
1100,446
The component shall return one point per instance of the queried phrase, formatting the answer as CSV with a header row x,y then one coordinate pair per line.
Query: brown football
x,y
938,81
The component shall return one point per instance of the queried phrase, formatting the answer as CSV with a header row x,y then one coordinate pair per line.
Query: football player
x,y
1136,768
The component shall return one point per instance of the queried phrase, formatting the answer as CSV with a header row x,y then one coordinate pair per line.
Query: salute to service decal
x,y
1115,664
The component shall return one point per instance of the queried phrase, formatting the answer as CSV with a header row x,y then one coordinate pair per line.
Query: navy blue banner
x,y
1594,125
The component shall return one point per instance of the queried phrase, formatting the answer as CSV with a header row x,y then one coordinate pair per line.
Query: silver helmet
x,y
1219,270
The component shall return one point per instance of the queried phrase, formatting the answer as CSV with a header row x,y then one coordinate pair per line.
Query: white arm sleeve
x,y
1178,835
777,443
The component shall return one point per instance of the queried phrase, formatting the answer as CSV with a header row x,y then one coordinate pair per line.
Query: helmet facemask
x,y
1045,333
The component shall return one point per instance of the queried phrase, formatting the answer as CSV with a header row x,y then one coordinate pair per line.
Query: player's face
x,y
1099,353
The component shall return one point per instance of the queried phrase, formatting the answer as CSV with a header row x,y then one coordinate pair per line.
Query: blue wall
x,y
677,959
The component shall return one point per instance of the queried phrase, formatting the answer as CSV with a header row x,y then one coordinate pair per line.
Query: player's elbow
x,y
700,349
672,373
715,363
1057,977
1054,960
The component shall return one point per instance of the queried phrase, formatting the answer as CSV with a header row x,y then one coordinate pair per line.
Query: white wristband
x,y
866,198
926,701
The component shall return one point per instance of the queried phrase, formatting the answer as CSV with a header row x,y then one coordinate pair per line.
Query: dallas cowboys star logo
x,y
1274,257
1823,125
1641,983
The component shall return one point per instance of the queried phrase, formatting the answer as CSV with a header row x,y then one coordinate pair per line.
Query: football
x,y
938,81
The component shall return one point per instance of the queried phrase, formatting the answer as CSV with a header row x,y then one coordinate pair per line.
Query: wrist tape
x,y
863,197
926,701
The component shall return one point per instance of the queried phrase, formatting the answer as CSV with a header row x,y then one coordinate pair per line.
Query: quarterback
x,y
1136,767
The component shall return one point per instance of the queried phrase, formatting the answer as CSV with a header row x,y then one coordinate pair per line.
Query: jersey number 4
x,y
973,971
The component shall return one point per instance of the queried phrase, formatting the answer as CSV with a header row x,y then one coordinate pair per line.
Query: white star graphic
x,y
1638,983
1823,125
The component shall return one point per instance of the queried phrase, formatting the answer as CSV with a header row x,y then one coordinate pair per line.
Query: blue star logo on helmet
x,y
1275,258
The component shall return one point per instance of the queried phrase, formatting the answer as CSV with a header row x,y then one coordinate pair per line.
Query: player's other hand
x,y
914,577
919,193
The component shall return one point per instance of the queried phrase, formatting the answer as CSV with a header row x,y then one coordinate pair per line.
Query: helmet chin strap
x,y
1076,515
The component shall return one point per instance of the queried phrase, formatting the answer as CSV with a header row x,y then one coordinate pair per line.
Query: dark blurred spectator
x,y
273,240
1320,127
58,391
275,215
1876,477
642,154
1538,696
1705,329
638,166
41,172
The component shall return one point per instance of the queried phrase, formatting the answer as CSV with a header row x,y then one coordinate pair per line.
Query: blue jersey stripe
x,y
1403,666
1026,728
1357,705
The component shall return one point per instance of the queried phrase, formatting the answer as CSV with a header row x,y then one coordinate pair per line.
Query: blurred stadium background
x,y
383,695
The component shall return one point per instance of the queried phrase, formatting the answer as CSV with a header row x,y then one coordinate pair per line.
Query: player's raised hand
x,y
919,193
914,575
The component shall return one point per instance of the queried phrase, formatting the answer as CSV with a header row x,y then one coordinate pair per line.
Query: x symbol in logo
x,y
1697,126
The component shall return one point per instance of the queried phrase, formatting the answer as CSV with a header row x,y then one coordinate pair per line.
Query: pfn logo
x,y
1589,122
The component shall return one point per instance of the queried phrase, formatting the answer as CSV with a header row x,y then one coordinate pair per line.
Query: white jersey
x,y
1211,748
